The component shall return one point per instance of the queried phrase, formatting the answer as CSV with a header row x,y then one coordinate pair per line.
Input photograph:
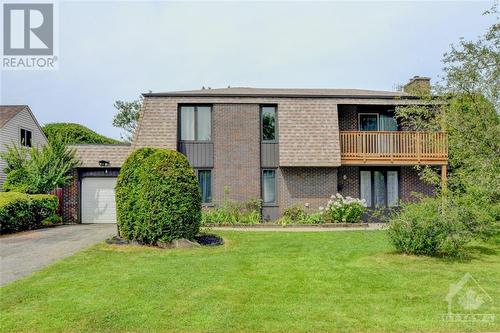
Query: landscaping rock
x,y
178,244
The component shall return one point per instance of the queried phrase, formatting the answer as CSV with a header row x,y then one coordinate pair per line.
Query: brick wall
x,y
70,202
306,185
348,179
348,118
410,182
236,137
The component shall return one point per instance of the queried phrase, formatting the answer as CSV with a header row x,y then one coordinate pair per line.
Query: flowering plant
x,y
343,210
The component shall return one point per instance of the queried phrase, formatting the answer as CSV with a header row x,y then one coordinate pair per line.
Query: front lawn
x,y
257,281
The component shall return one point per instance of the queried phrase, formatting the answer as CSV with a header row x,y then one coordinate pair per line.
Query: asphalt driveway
x,y
26,252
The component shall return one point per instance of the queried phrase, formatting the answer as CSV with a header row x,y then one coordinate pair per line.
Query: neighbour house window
x,y
195,123
269,186
379,188
25,137
205,181
268,123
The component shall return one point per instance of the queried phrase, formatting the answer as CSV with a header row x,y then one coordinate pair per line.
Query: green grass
x,y
257,281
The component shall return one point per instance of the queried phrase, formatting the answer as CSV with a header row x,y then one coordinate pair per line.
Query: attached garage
x,y
90,198
98,200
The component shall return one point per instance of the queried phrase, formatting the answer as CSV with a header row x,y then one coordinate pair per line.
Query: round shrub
x,y
157,197
428,228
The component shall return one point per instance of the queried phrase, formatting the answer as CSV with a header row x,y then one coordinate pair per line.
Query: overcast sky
x,y
116,50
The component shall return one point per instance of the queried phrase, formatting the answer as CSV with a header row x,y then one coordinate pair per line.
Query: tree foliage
x,y
39,170
75,134
127,117
467,109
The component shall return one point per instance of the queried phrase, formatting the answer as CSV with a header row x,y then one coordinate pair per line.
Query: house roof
x,y
91,154
282,92
7,112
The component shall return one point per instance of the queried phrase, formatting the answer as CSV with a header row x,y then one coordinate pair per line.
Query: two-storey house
x,y
284,146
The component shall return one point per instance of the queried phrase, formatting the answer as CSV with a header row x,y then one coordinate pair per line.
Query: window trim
x,y
21,129
261,123
368,114
275,202
179,123
197,171
372,184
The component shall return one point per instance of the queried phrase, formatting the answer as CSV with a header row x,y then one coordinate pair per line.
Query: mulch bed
x,y
202,239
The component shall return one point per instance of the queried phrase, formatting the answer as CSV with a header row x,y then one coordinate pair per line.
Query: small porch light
x,y
103,163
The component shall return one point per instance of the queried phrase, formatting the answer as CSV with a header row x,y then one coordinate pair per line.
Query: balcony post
x,y
444,178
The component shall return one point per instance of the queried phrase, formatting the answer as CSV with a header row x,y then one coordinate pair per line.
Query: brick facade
x,y
309,169
236,138
410,183
306,185
71,200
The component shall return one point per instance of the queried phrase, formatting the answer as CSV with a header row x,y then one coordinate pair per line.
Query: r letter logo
x,y
28,36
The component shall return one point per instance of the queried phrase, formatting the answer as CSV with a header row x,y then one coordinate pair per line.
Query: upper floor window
x,y
377,122
195,123
25,137
268,123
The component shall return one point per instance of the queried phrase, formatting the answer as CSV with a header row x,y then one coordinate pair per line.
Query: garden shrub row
x,y
339,209
233,212
19,211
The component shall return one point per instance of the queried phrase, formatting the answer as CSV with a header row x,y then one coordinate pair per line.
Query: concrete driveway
x,y
24,253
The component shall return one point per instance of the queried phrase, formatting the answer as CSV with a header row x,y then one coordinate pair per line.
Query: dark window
x,y
195,123
379,188
268,123
368,122
205,181
269,186
25,137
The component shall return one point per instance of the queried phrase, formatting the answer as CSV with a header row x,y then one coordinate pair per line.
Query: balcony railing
x,y
384,147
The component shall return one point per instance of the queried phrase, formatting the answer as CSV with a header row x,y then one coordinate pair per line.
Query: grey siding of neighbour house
x,y
199,154
10,134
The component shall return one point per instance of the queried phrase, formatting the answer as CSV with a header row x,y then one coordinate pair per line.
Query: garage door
x,y
98,200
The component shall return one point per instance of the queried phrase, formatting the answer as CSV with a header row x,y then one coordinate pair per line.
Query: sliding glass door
x,y
379,188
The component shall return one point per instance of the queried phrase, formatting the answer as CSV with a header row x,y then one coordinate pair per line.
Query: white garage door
x,y
98,200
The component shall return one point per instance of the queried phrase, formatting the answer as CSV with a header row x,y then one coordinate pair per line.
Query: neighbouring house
x,y
284,146
18,126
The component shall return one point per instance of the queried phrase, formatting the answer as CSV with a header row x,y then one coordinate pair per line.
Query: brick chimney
x,y
418,85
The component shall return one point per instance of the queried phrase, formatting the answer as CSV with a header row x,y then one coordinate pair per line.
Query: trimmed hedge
x,y
19,211
157,197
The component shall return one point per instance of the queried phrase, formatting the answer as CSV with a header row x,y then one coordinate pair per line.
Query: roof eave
x,y
277,96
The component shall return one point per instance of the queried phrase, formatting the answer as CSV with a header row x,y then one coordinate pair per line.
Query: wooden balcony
x,y
393,148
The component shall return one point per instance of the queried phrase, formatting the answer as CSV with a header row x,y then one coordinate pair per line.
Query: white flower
x,y
321,208
306,204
